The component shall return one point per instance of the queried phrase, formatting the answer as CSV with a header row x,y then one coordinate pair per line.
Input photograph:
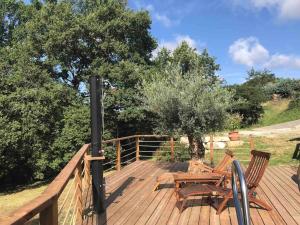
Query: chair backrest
x,y
256,168
225,162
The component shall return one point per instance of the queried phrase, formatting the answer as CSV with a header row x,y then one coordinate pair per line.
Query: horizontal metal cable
x,y
109,162
148,151
67,196
128,154
149,156
130,143
151,146
127,161
111,168
128,149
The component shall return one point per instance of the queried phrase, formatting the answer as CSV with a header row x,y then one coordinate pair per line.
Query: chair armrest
x,y
225,173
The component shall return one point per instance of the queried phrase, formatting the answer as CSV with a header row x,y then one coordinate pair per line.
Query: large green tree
x,y
48,51
73,40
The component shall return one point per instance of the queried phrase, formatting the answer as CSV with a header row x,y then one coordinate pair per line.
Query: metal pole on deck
x,y
96,133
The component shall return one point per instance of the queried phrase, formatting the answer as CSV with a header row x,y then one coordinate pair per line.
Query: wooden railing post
x,y
78,195
172,148
137,147
251,142
118,161
87,171
49,216
211,149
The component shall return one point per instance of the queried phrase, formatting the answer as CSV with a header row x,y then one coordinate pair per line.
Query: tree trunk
x,y
191,145
200,148
197,149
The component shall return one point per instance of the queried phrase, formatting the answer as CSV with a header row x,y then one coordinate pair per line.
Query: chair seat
x,y
201,189
185,177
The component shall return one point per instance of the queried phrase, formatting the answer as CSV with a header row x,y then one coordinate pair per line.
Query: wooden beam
x,y
137,148
172,148
78,195
118,153
49,216
211,149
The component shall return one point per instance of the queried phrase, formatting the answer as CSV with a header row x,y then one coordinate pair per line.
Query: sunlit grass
x,y
281,148
278,112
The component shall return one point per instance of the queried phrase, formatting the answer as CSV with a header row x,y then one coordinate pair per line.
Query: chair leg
x,y
156,186
222,205
183,205
260,203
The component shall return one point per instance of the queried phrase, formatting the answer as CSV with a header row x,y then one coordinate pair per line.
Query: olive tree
x,y
187,104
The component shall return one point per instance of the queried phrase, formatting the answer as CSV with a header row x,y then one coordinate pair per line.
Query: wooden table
x,y
208,178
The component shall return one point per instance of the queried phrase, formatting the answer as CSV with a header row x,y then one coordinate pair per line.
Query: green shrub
x,y
295,102
233,122
181,152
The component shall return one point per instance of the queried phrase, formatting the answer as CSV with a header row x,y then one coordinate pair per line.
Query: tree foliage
x,y
187,104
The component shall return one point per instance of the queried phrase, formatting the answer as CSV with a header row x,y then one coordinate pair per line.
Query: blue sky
x,y
240,33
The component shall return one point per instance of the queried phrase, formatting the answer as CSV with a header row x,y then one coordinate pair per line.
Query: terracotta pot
x,y
234,136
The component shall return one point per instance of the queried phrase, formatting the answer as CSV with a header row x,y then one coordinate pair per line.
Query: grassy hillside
x,y
278,112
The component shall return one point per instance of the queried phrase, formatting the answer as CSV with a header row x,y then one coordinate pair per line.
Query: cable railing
x,y
62,201
242,152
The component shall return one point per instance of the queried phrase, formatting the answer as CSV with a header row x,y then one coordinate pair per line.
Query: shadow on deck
x,y
130,199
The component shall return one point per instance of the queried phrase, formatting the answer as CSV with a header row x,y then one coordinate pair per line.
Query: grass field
x,y
10,201
281,148
278,112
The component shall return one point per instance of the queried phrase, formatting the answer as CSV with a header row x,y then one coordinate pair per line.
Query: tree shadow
x,y
102,218
296,154
10,189
295,139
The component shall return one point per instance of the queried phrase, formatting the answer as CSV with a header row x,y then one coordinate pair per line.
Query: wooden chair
x,y
253,175
196,170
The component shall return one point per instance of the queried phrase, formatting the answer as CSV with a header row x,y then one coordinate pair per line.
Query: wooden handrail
x,y
51,194
133,136
47,203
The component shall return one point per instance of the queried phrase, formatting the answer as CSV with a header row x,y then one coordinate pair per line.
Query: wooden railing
x,y
133,148
66,188
62,201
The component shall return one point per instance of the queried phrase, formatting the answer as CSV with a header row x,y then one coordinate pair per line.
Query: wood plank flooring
x,y
130,199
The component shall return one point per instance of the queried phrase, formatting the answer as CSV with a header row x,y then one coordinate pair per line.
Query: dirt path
x,y
292,127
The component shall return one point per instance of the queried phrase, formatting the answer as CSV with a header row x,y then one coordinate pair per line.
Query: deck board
x,y
130,199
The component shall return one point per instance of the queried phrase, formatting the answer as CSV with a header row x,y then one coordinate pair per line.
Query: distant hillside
x,y
278,112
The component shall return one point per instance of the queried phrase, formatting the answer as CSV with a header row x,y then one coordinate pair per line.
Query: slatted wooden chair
x,y
195,172
253,175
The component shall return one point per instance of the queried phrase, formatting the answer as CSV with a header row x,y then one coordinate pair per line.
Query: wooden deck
x,y
130,199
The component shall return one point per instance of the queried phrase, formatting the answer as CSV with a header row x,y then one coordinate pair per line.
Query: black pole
x,y
96,165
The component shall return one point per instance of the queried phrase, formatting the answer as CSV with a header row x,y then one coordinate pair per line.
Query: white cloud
x,y
285,9
249,52
166,21
158,16
290,9
281,61
173,44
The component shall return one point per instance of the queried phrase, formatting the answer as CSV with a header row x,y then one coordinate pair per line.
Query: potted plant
x,y
233,124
